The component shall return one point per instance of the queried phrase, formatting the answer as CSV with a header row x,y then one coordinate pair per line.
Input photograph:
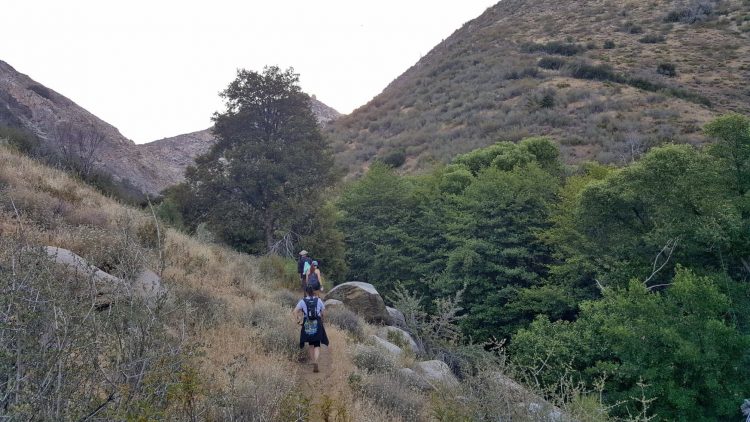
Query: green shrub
x,y
20,139
373,359
529,72
609,44
652,39
632,28
390,393
699,12
395,158
347,321
601,72
274,268
666,69
552,63
553,47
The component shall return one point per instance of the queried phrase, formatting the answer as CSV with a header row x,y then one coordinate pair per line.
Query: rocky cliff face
x,y
29,105
60,123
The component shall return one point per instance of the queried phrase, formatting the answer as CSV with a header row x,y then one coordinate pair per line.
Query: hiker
x,y
303,265
309,314
313,277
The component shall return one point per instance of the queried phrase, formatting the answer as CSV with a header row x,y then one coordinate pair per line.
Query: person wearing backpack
x,y
313,277
309,313
303,266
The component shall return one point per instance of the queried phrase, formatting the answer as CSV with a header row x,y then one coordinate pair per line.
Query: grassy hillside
x,y
606,79
219,345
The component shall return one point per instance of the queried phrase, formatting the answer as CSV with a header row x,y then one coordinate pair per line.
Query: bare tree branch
x,y
661,260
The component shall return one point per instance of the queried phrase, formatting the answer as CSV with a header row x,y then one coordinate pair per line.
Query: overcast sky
x,y
153,68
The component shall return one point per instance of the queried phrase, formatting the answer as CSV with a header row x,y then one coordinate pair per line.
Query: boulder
x,y
361,298
533,403
107,286
436,372
397,317
384,332
413,379
387,345
333,304
146,285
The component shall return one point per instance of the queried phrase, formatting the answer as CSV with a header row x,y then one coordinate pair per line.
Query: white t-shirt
x,y
302,305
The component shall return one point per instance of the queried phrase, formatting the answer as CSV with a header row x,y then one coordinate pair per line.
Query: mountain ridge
x,y
594,76
59,123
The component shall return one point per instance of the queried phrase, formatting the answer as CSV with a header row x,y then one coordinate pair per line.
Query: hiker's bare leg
x,y
311,353
316,354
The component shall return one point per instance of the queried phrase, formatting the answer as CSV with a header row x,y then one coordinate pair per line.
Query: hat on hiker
x,y
303,252
315,263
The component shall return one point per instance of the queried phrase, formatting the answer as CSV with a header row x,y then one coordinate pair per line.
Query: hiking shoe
x,y
315,367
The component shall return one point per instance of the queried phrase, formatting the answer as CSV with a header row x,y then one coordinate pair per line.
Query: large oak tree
x,y
269,166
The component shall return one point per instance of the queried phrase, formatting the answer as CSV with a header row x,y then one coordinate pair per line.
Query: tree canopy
x,y
269,166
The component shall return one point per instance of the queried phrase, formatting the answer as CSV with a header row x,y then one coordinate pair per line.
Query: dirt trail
x,y
332,380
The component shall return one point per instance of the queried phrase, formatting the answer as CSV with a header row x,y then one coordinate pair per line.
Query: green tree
x,y
269,163
495,250
732,136
377,213
671,206
677,343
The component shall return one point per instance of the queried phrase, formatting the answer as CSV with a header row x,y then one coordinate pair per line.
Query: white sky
x,y
153,68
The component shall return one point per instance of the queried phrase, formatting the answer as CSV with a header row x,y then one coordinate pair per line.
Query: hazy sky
x,y
153,68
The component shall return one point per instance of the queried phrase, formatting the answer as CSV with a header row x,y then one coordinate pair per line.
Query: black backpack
x,y
312,308
313,281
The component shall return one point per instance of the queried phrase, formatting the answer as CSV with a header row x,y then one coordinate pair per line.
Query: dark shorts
x,y
314,343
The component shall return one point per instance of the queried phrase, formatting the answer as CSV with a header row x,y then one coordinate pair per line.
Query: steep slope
x,y
67,129
60,124
605,79
171,156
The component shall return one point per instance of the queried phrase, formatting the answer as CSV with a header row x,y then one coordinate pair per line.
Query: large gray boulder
x,y
361,298
397,317
107,287
389,332
387,345
148,284
413,379
435,373
334,304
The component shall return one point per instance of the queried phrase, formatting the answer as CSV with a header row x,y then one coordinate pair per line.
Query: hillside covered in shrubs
x,y
604,80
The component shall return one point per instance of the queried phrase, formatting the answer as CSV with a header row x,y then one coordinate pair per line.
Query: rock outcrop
x,y
387,345
397,317
436,372
333,304
361,298
388,332
107,287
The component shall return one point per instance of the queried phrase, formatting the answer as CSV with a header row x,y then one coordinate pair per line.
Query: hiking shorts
x,y
314,343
